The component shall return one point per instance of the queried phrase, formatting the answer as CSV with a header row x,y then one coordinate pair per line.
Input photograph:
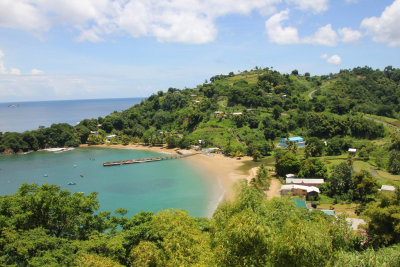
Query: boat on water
x,y
71,183
81,175
45,175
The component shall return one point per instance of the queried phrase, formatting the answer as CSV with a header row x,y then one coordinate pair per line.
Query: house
x,y
290,175
193,96
352,151
305,181
387,188
109,137
310,192
298,140
218,114
94,132
236,114
196,102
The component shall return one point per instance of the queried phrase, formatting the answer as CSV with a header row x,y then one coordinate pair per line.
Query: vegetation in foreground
x,y
42,226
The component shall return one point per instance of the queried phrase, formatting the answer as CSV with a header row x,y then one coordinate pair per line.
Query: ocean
x,y
151,186
22,116
136,187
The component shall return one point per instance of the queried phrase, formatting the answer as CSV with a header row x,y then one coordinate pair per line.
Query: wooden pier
x,y
132,161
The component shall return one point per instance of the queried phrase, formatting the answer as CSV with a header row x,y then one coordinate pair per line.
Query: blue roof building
x,y
298,140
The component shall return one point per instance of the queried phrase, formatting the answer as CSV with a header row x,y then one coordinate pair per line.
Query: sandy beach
x,y
216,166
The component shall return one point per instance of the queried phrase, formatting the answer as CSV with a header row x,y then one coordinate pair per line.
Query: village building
x,y
305,181
109,137
310,192
196,102
298,140
387,188
352,151
218,114
235,114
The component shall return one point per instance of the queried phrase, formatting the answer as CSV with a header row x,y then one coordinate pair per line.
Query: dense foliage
x,y
249,231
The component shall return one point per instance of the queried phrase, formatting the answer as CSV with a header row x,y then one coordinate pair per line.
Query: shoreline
x,y
225,170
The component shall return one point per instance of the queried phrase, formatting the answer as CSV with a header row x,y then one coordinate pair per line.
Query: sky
x,y
88,49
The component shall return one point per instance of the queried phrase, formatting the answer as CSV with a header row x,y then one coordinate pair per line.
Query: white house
x,y
387,188
298,189
108,138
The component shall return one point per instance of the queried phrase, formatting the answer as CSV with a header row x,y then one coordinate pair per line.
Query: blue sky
x,y
85,49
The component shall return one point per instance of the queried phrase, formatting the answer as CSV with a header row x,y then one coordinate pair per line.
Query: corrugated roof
x,y
296,138
303,187
304,180
388,188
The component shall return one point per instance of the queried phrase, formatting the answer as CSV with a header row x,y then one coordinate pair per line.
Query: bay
x,y
23,116
147,186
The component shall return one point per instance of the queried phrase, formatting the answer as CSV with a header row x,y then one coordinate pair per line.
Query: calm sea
x,y
30,115
136,187
147,186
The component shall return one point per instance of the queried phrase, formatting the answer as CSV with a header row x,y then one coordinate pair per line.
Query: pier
x,y
132,161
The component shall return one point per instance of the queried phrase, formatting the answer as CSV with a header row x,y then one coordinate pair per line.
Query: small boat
x,y
81,175
71,183
45,175
75,165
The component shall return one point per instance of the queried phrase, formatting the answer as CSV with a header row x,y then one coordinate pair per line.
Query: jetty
x,y
144,160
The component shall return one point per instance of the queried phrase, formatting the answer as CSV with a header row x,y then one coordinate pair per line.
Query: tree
x,y
288,163
340,181
394,162
314,147
262,179
276,112
364,186
384,219
313,168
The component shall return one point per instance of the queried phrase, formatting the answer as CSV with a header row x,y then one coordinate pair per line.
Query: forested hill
x,y
241,113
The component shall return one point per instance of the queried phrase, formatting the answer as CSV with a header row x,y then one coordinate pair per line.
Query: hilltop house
x,y
305,181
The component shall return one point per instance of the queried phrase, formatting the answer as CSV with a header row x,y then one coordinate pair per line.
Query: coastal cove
x,y
176,184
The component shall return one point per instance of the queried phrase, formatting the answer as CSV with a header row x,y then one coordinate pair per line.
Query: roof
x,y
329,212
297,138
290,175
110,136
352,150
300,203
388,188
304,180
302,187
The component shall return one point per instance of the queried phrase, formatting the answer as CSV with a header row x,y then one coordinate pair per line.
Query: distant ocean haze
x,y
23,116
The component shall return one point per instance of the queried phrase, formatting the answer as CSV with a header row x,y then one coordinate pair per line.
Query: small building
x,y
298,140
305,181
300,203
109,137
387,188
352,151
98,125
212,150
193,96
196,102
94,132
290,175
235,114
218,114
310,192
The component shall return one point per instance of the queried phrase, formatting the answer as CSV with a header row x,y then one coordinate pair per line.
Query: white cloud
x,y
185,21
334,60
278,34
15,71
1,54
317,6
323,36
36,72
386,27
289,35
348,35
2,68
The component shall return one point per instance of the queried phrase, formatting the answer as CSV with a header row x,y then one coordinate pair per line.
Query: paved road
x,y
311,93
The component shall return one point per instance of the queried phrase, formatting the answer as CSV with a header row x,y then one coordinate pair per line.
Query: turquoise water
x,y
136,187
